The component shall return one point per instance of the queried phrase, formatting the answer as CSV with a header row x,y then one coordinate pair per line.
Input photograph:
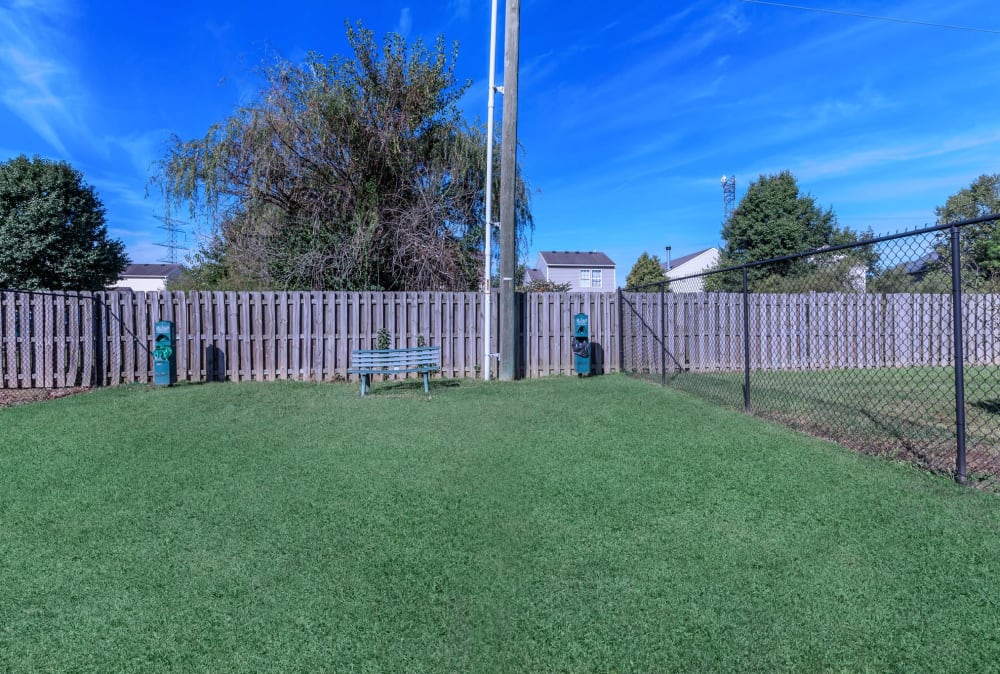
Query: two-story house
x,y
584,272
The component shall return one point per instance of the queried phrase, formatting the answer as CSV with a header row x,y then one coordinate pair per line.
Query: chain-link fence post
x,y
621,332
100,339
663,335
746,342
956,312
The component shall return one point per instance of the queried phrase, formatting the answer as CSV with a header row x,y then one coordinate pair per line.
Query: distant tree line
x,y
775,219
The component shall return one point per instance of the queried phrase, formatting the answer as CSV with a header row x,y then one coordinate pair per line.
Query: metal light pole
x,y
488,251
508,181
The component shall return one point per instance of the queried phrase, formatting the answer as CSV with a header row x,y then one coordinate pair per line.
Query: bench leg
x,y
364,379
426,389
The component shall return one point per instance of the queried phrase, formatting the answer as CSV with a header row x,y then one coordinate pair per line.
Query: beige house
x,y
584,272
147,277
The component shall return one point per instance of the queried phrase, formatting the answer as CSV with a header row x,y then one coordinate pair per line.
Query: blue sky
x,y
629,112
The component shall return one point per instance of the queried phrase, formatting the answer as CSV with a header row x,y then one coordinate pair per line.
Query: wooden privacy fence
x,y
105,338
704,331
90,339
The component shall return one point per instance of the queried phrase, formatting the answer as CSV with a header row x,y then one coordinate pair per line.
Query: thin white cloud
x,y
124,196
884,157
143,149
37,83
460,8
666,26
405,23
144,251
893,189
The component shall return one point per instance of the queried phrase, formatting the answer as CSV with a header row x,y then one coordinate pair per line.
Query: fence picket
x,y
245,337
90,328
71,338
24,338
58,343
269,321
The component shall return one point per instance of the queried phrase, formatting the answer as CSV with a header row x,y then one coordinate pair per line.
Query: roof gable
x,y
565,258
684,259
150,270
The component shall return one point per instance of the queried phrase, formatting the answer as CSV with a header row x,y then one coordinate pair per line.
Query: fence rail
x,y
105,338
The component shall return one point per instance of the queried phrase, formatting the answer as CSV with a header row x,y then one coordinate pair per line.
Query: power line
x,y
877,18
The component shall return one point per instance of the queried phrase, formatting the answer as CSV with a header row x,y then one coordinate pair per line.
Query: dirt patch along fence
x,y
93,339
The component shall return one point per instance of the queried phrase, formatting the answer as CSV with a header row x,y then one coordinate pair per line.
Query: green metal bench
x,y
420,359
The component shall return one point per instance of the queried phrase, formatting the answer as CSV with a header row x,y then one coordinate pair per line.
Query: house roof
x,y
534,275
150,270
565,258
920,265
678,261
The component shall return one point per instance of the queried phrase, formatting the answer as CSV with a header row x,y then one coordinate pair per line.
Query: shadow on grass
x,y
991,406
875,428
410,386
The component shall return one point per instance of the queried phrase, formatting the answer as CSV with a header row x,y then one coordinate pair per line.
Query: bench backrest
x,y
418,356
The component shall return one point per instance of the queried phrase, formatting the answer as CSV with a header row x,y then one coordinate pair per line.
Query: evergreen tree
x,y
772,220
647,269
52,230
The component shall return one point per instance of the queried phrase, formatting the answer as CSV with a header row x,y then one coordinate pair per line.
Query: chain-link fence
x,y
856,343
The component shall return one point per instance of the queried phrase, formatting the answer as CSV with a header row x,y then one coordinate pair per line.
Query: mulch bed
x,y
20,396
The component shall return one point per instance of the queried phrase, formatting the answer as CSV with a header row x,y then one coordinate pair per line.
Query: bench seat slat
x,y
392,370
410,349
393,363
429,358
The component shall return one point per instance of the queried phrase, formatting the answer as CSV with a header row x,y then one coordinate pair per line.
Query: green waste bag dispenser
x,y
581,344
164,358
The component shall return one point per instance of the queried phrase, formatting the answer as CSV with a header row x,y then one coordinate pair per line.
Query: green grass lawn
x,y
909,412
602,524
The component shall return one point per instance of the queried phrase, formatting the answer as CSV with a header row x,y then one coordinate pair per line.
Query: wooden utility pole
x,y
508,184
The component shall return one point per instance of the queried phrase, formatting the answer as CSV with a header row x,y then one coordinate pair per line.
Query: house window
x,y
590,278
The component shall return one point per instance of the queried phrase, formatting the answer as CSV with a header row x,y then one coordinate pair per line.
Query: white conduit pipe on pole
x,y
488,251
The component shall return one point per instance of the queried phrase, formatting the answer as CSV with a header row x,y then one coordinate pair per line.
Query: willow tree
x,y
347,173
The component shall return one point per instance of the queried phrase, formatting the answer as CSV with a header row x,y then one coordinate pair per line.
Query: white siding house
x,y
686,265
147,277
584,272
